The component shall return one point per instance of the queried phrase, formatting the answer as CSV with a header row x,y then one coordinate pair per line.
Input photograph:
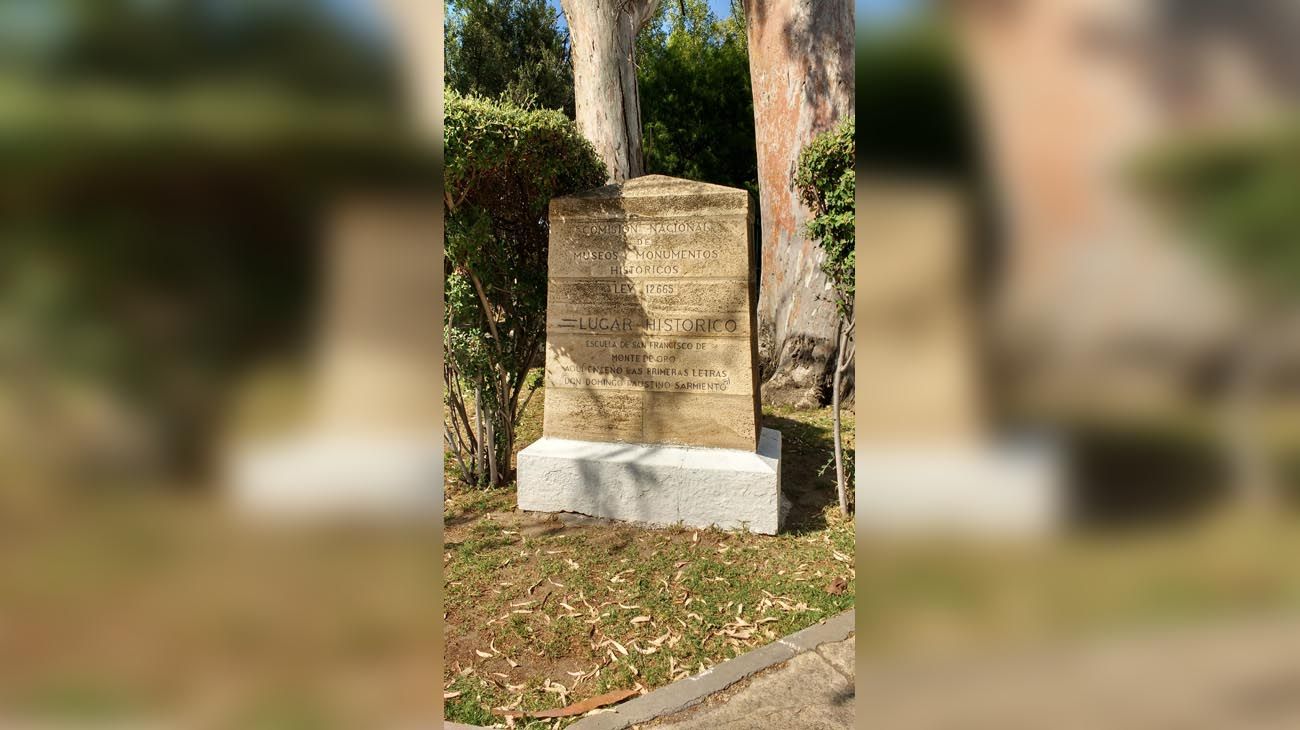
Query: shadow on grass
x,y
474,502
1144,474
807,472
1131,475
460,519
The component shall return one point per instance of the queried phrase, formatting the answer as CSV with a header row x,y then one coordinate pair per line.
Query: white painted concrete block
x,y
1001,490
659,485
333,475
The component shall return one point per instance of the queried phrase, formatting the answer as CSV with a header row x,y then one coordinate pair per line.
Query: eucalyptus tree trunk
x,y
606,101
801,72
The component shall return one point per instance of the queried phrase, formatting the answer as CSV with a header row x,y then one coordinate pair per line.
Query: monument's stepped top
x,y
654,195
652,185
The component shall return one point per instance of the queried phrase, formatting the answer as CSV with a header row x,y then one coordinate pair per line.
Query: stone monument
x,y
926,457
370,441
652,411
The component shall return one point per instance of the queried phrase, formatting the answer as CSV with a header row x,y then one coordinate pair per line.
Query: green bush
x,y
825,181
504,164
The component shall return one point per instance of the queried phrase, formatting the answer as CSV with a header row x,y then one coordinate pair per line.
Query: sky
x,y
867,11
884,9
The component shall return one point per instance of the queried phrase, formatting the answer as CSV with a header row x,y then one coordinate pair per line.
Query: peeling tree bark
x,y
606,100
801,70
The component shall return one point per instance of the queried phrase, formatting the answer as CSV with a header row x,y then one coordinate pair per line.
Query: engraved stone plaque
x,y
649,322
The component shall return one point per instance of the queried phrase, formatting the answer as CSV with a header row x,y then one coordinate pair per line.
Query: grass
x,y
546,600
542,613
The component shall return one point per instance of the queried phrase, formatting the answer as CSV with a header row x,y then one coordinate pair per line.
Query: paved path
x,y
803,681
812,691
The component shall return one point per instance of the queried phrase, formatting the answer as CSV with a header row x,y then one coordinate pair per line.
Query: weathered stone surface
x,y
924,461
629,416
915,331
658,485
650,335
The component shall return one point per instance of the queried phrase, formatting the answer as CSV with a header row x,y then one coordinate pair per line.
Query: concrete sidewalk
x,y
801,682
812,691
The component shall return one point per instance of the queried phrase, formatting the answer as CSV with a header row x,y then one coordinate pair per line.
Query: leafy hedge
x,y
504,164
825,181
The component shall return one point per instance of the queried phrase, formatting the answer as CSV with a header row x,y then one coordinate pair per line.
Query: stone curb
x,y
691,691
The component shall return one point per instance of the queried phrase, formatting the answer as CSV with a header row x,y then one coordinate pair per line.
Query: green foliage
x,y
697,112
509,49
1240,195
504,164
825,180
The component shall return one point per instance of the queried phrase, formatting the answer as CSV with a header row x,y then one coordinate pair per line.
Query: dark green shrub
x,y
504,164
825,181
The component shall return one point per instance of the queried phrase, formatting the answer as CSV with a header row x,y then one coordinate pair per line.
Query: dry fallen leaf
x,y
578,708
450,695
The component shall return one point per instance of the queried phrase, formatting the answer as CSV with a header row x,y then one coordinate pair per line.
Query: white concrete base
x,y
659,485
329,475
1005,490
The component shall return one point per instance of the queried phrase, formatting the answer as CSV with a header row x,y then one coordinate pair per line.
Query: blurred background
x,y
1125,302
1130,173
175,179
168,171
